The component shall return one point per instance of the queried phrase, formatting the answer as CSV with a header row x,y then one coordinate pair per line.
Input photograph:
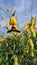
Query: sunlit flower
x,y
13,21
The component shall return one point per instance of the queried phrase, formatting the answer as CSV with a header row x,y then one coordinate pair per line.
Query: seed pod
x,y
32,31
15,60
31,45
32,21
32,54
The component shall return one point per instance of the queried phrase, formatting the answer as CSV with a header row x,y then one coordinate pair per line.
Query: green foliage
x,y
19,47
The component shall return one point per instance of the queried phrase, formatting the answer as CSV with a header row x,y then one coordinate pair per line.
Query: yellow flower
x,y
13,21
